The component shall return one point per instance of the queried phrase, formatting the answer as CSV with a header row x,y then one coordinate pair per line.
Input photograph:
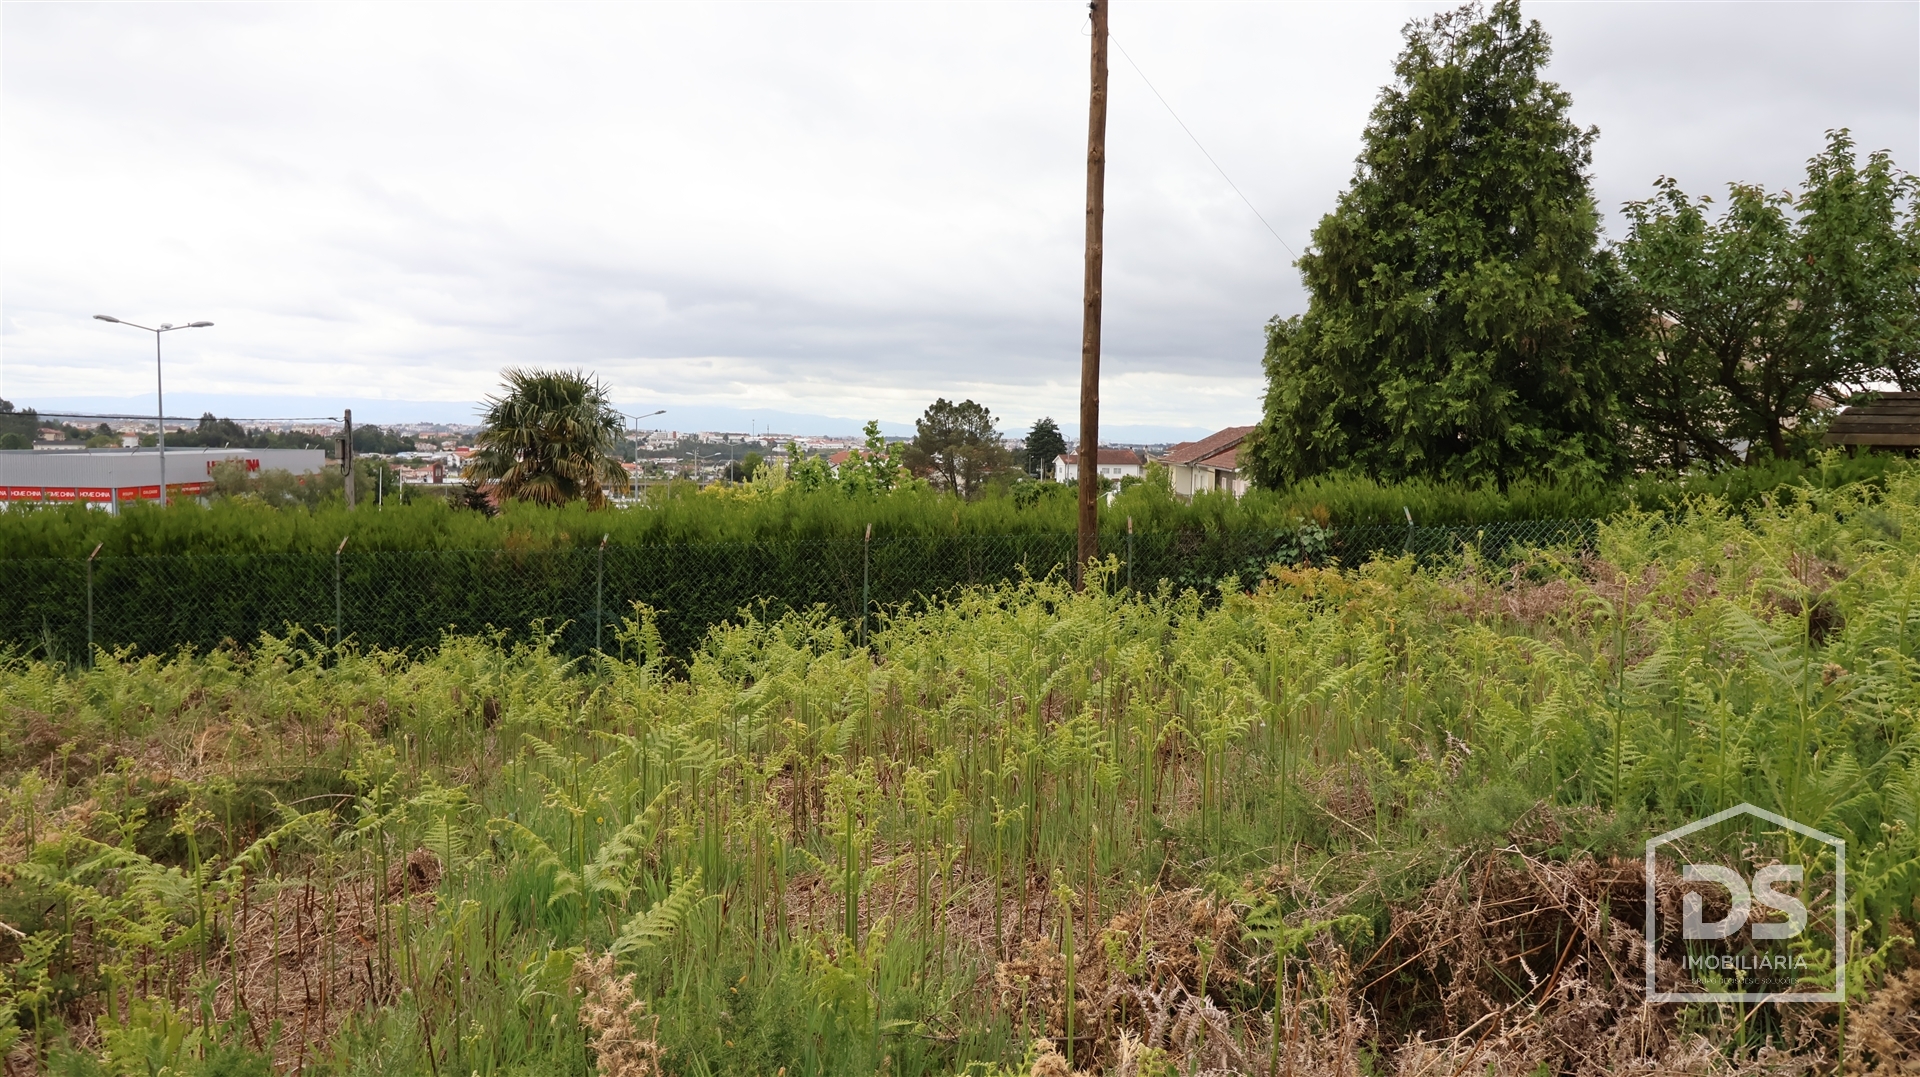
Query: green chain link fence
x,y
158,604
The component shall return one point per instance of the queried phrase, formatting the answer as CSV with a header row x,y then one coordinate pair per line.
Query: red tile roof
x,y
1225,461
1107,456
1215,450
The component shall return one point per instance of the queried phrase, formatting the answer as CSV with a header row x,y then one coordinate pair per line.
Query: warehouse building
x,y
108,477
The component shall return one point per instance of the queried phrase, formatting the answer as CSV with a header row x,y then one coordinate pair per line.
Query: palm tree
x,y
551,437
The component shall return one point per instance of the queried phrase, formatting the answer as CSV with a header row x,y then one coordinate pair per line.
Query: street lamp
x,y
632,429
637,418
159,394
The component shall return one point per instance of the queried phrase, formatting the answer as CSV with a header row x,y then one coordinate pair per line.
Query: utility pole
x,y
346,456
1090,324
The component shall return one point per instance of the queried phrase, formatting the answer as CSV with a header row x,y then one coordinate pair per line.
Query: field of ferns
x,y
1384,819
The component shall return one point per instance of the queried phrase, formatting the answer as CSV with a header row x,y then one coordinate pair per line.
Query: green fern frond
x,y
660,922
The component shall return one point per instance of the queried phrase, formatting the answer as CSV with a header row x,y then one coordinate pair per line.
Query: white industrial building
x,y
108,477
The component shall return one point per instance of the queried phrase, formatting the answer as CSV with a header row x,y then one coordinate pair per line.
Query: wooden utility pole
x,y
1090,325
346,456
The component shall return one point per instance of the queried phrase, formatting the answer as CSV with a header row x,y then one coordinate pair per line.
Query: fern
x,y
565,882
658,924
610,872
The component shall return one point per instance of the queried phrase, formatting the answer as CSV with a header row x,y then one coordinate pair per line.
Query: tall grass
x,y
1150,831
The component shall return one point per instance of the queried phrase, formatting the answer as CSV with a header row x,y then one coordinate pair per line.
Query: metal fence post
x,y
1129,553
599,589
338,629
866,581
90,557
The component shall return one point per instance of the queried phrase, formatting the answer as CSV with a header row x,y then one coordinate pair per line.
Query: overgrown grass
x,y
1386,817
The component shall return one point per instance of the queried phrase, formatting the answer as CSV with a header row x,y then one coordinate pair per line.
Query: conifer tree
x,y
1458,321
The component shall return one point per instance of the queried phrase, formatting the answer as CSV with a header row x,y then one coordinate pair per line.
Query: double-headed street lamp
x,y
159,394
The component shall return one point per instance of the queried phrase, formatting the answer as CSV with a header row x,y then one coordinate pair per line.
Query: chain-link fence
x,y
157,604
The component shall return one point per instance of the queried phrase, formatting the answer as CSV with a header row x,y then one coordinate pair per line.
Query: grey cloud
x,y
869,204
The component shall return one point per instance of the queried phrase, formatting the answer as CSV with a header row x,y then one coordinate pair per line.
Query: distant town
x,y
435,454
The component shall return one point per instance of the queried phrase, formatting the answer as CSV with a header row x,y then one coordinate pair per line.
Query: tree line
x,y
1466,320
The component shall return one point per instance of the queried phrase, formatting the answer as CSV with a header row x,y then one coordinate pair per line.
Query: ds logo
x,y
1754,960
1743,898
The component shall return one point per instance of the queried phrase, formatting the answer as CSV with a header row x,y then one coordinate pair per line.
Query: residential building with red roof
x,y
1209,464
1115,464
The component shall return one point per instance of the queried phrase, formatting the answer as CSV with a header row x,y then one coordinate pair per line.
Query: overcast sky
x,y
828,209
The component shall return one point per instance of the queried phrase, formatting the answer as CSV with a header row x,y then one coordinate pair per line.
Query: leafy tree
x,y
372,439
1448,332
23,424
1777,301
551,437
957,445
878,467
1044,445
212,433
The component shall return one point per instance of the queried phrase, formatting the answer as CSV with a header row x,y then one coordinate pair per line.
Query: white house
x,y
1115,464
1212,463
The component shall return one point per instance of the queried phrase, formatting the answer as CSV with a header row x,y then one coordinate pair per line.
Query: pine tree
x,y
1457,321
1044,444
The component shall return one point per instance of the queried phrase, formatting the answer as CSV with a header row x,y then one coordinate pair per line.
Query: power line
x,y
1196,142
177,418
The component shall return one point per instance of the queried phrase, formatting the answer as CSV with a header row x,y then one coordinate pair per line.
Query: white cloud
x,y
838,209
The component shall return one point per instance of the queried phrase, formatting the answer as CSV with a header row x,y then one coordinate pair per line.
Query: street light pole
x,y
632,429
159,388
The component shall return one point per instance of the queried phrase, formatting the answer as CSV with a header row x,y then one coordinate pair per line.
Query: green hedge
x,y
680,516
410,598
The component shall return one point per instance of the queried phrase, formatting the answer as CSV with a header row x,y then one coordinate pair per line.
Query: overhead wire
x,y
1197,143
185,418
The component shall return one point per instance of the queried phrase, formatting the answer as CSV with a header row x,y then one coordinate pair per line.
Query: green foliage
x,y
1044,445
195,576
551,437
1454,327
372,439
20,428
1751,316
876,468
815,855
815,505
957,445
215,433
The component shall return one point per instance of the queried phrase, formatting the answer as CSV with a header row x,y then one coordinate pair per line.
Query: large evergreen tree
x,y
1045,443
956,445
1457,323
